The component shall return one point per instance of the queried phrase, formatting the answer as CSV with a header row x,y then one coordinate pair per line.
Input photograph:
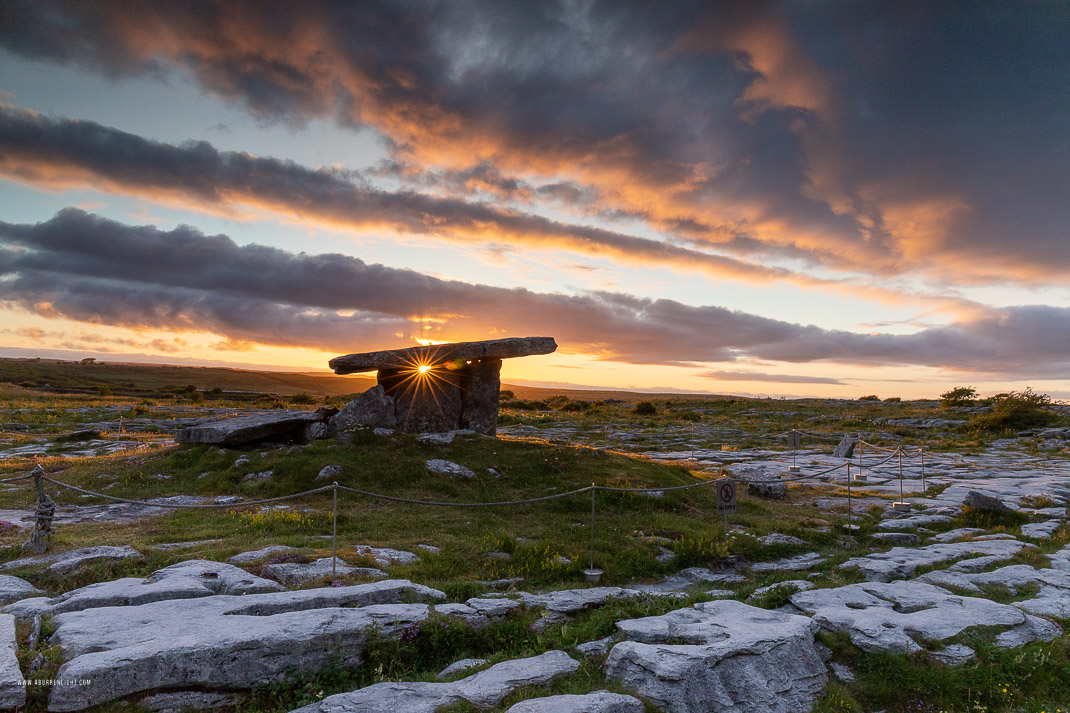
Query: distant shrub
x,y
892,400
958,397
646,408
1015,411
870,397
557,402
506,395
103,390
302,398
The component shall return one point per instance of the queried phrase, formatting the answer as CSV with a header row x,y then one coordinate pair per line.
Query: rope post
x,y
44,514
849,495
591,558
334,528
900,474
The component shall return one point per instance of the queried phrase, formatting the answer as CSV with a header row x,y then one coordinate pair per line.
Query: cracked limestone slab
x,y
596,702
571,601
483,690
1053,594
225,642
261,554
385,556
185,580
733,658
806,561
686,577
295,573
1041,530
903,562
909,523
66,562
14,588
12,692
902,616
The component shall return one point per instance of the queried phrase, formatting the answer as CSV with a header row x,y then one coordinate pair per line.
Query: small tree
x,y
958,397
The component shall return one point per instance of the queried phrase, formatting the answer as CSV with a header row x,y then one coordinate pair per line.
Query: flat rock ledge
x,y
277,425
13,588
186,580
736,659
903,562
596,702
12,692
902,617
485,689
225,642
66,562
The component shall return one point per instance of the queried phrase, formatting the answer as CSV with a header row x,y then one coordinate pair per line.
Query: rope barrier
x,y
173,506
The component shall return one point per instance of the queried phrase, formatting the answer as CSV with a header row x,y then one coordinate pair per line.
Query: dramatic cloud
x,y
90,269
877,137
59,153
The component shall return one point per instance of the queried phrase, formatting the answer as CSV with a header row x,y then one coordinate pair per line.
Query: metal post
x,y
591,560
726,519
901,474
923,470
849,494
334,529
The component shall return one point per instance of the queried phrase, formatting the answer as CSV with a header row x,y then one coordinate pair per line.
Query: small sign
x,y
794,439
726,497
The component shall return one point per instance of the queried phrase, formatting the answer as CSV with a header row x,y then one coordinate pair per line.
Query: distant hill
x,y
137,379
124,378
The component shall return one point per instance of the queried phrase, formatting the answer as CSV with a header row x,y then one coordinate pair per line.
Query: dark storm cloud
x,y
884,137
91,269
46,151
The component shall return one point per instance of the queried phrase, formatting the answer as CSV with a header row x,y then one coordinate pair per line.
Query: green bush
x,y
1015,411
646,408
869,397
958,396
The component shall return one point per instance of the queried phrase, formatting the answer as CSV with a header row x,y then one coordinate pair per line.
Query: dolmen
x,y
437,388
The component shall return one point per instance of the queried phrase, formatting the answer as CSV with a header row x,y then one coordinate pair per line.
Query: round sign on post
x,y
726,497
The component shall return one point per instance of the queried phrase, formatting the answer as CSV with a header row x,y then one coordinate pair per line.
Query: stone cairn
x,y
443,387
44,514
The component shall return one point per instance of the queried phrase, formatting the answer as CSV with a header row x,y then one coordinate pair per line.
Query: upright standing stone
x,y
846,447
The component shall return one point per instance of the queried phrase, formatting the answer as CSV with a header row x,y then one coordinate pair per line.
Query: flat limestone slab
x,y
246,429
12,692
483,690
903,562
596,702
225,642
735,659
901,616
65,562
186,580
441,353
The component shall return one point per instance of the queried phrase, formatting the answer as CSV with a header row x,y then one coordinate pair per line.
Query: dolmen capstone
x,y
284,426
443,387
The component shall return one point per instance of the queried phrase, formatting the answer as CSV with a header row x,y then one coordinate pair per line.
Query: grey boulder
x,y
980,501
734,659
